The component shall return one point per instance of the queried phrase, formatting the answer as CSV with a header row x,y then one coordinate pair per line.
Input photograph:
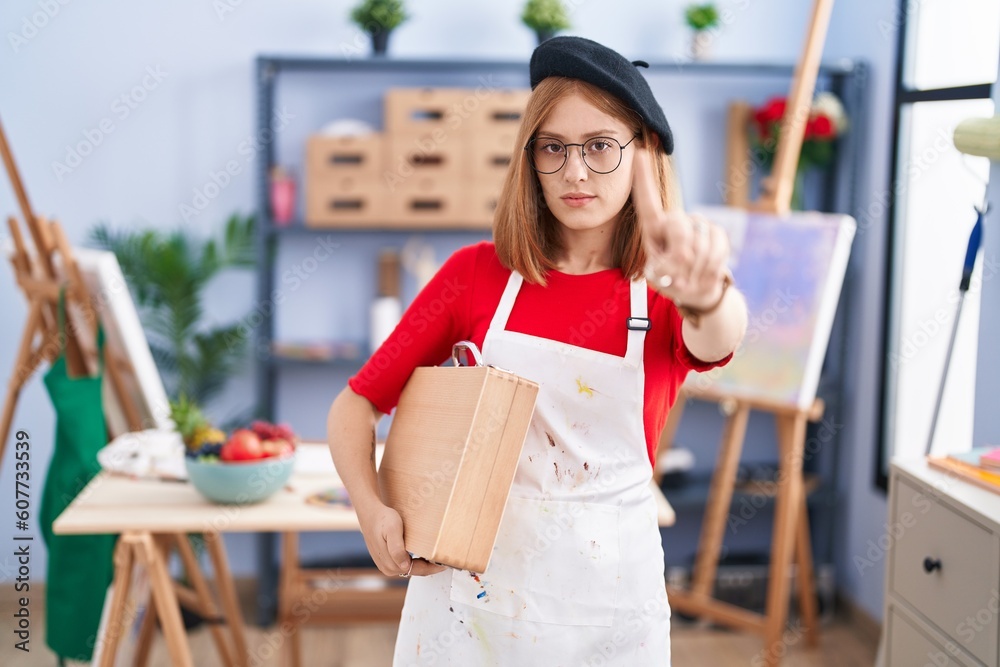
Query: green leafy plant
x,y
545,15
701,17
167,273
379,15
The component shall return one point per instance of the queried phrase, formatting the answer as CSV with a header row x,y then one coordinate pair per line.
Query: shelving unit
x,y
847,79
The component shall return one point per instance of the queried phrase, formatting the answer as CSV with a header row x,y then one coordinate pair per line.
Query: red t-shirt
x,y
584,310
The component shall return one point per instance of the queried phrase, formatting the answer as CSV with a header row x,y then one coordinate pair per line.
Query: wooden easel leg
x,y
116,625
286,592
788,503
197,578
23,368
227,596
806,577
77,363
162,592
739,168
720,498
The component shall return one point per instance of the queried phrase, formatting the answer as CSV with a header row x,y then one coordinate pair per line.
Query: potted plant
x,y
545,17
167,273
701,18
379,18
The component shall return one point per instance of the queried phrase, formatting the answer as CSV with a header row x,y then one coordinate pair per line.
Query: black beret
x,y
584,59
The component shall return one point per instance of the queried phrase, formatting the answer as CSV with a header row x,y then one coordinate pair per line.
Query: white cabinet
x,y
943,570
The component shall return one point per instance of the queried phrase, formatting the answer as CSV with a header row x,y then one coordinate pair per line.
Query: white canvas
x,y
125,341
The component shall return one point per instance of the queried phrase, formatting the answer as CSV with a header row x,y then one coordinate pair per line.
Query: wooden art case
x,y
450,457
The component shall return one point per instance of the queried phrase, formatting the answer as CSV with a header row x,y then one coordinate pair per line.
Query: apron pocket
x,y
554,562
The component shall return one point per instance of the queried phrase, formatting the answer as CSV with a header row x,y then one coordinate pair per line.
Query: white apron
x,y
576,576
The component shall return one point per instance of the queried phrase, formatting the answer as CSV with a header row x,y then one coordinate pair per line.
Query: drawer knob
x,y
931,564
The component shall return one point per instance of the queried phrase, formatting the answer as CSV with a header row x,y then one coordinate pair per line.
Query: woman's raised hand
x,y
686,255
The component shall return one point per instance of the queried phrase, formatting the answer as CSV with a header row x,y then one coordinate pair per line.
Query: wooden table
x,y
155,517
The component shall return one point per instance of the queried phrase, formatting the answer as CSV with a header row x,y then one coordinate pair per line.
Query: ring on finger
x,y
701,227
406,574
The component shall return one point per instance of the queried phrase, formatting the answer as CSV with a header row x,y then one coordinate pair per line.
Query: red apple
x,y
243,445
278,447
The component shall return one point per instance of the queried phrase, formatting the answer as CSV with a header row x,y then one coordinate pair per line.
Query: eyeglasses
x,y
602,155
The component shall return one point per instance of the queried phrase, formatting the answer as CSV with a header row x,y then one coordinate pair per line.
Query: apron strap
x,y
637,334
499,322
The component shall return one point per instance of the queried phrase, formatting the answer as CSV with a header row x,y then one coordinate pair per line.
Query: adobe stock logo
x,y
32,25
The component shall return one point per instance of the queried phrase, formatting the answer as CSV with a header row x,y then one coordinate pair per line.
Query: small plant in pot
x,y
545,17
701,19
379,18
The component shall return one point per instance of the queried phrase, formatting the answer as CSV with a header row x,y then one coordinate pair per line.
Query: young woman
x,y
589,211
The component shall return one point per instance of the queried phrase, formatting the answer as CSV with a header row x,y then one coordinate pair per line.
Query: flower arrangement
x,y
826,123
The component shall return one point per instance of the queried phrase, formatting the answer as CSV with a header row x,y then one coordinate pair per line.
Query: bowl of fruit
x,y
248,466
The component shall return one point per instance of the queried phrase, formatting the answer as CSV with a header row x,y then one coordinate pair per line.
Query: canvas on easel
x,y
790,269
125,343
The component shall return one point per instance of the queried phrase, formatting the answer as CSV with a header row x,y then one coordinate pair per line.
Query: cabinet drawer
x,y
960,596
909,647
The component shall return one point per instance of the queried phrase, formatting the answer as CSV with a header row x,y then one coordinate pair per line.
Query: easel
x,y
151,551
38,277
41,274
791,523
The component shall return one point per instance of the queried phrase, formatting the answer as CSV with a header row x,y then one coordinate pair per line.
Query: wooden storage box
x,y
413,154
450,459
502,109
344,155
343,184
344,201
427,201
424,110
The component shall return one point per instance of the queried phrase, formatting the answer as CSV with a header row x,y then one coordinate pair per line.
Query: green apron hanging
x,y
80,567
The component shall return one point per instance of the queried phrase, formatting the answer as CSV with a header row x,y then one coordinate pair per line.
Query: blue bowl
x,y
240,483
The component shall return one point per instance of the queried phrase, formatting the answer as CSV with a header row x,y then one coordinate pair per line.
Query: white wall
x,y
67,76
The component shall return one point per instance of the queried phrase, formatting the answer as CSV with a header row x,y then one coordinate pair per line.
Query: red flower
x,y
822,128
772,112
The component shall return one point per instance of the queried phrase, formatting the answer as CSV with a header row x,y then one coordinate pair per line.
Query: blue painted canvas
x,y
791,270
